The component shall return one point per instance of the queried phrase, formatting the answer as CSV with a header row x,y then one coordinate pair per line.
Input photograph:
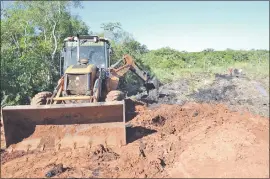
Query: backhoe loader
x,y
85,109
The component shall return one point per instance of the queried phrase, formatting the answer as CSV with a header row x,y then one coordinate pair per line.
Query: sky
x,y
190,26
184,25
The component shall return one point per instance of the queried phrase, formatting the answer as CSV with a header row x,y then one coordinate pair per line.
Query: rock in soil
x,y
56,170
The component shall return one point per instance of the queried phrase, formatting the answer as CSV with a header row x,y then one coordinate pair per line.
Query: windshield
x,y
95,52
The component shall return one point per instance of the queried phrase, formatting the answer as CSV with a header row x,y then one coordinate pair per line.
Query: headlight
x,y
77,81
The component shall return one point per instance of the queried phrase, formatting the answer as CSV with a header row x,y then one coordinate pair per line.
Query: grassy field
x,y
258,71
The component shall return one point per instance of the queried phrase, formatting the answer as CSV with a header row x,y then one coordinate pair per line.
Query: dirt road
x,y
193,140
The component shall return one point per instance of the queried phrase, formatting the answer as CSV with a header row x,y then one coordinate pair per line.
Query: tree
x,y
31,39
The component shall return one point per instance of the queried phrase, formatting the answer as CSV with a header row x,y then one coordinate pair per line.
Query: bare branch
x,y
15,41
59,9
25,34
44,32
55,40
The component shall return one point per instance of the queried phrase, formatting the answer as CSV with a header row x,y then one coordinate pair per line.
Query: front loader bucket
x,y
64,125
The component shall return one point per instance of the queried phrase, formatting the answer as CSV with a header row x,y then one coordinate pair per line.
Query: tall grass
x,y
169,64
251,70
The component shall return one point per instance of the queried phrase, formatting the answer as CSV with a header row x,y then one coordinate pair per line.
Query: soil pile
x,y
192,140
238,93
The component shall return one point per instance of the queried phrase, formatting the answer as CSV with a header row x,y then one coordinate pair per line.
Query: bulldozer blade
x,y
59,126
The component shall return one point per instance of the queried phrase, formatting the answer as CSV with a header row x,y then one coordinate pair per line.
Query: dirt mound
x,y
199,134
239,93
193,140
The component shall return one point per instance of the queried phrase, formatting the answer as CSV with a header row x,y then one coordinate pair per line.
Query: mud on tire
x,y
115,96
41,98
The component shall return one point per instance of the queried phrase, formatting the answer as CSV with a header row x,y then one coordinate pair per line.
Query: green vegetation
x,y
169,64
31,38
32,34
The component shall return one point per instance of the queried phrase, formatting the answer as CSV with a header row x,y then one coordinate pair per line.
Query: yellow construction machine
x,y
86,108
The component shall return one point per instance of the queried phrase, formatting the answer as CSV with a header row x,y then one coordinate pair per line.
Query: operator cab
x,y
90,50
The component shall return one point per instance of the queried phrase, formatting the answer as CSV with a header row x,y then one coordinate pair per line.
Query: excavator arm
x,y
129,64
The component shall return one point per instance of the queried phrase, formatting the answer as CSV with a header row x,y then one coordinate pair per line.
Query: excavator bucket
x,y
152,84
64,125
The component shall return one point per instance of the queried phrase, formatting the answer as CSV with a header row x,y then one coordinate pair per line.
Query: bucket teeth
x,y
43,147
58,147
89,144
28,147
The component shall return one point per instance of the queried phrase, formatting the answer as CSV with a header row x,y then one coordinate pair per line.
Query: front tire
x,y
115,96
41,98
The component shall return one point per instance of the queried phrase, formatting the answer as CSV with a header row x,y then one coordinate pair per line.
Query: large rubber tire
x,y
115,96
41,98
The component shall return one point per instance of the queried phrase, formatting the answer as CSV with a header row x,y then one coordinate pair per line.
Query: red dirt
x,y
194,140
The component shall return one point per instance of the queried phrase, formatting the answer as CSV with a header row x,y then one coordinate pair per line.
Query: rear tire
x,y
115,96
41,98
